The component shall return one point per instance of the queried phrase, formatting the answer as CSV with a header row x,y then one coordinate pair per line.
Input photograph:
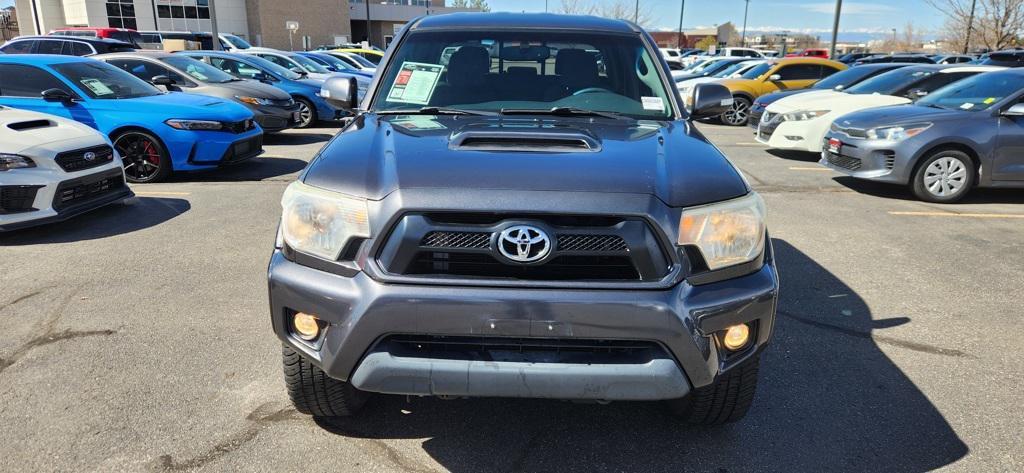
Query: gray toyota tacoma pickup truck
x,y
522,208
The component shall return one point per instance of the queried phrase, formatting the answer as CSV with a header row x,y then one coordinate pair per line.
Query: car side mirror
x,y
341,92
1015,111
263,77
57,95
774,78
162,80
710,100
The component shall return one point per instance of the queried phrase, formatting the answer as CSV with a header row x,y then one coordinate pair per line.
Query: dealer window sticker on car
x,y
653,103
415,83
97,87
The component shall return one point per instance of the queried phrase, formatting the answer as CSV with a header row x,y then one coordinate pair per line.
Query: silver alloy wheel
x,y
945,176
305,115
737,115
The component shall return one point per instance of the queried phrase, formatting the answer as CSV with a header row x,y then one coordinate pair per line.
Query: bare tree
x,y
997,23
575,7
619,9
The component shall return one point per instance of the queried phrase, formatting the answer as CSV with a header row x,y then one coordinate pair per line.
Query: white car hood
x,y
695,81
59,130
834,101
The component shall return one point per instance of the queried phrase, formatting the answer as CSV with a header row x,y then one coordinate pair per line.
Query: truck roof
x,y
476,20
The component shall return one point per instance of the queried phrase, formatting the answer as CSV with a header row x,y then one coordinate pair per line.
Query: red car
x,y
822,53
121,34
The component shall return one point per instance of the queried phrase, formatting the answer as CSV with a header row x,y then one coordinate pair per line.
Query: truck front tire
x,y
316,394
726,400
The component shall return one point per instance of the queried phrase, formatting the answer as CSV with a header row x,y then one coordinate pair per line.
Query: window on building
x,y
121,14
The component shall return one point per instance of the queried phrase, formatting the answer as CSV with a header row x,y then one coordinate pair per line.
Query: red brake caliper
x,y
151,154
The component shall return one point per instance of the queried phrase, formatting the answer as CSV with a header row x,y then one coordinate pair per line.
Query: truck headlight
x,y
897,133
208,125
14,161
802,115
253,100
320,222
726,233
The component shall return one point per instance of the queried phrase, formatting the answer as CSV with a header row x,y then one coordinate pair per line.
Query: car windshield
x,y
361,61
718,67
844,78
308,64
335,62
728,71
525,71
100,80
199,70
975,93
757,71
890,82
236,41
269,66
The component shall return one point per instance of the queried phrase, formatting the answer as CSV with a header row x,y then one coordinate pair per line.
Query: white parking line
x,y
952,214
818,169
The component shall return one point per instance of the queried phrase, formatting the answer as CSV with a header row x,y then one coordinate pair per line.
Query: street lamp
x,y
835,28
743,39
679,39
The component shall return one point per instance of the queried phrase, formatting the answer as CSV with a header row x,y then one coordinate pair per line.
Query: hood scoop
x,y
31,125
535,140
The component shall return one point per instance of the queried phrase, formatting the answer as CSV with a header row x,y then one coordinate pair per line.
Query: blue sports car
x,y
306,92
154,132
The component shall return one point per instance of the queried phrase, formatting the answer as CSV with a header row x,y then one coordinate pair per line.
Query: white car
x,y
671,56
52,169
800,121
741,52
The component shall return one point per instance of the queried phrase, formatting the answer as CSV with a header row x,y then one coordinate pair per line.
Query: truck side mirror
x,y
710,100
341,92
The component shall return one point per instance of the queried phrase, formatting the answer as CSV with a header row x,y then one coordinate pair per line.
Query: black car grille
x,y
240,127
844,162
70,193
511,349
890,159
17,199
78,160
282,103
583,248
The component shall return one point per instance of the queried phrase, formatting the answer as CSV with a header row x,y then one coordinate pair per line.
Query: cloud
x,y
849,8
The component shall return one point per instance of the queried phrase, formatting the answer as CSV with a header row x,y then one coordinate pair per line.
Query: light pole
x,y
743,39
835,28
636,13
682,8
213,26
367,22
970,26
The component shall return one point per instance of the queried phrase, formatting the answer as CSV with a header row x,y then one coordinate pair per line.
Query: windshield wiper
x,y
564,112
436,111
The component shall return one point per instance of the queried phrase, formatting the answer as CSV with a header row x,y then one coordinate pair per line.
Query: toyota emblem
x,y
524,244
89,156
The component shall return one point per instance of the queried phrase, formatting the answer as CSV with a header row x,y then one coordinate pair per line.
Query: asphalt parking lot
x,y
137,338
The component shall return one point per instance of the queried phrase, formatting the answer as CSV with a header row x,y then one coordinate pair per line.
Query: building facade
x,y
43,16
387,17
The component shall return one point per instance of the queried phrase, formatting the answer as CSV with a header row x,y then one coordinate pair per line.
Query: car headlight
x,y
897,133
253,100
726,233
802,115
194,124
320,222
14,161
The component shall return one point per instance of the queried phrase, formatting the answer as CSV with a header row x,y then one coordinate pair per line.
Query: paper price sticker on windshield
x,y
415,83
653,103
97,87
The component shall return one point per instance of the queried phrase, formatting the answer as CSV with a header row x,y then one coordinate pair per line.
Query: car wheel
x,y
739,113
726,400
314,393
307,113
944,177
145,159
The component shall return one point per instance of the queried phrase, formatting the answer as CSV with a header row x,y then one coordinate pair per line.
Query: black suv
x,y
64,45
524,209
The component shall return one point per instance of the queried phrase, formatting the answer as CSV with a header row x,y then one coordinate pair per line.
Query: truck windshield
x,y
528,70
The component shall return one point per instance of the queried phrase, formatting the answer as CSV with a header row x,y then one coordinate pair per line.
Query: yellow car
x,y
371,55
773,76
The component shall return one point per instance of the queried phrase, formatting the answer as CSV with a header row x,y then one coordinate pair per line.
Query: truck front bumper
x,y
680,323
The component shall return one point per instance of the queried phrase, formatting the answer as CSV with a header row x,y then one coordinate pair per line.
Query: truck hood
x,y
900,115
835,101
377,155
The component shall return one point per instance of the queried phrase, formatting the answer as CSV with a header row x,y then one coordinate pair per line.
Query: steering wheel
x,y
590,90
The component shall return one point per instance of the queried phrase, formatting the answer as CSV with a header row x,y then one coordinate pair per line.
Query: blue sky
x,y
811,16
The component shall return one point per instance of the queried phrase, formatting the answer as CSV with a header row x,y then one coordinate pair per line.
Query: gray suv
x,y
532,215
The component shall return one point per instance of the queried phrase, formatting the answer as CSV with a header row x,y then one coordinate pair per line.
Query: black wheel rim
x,y
140,155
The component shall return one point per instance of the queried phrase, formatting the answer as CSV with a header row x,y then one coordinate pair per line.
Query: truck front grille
x,y
537,350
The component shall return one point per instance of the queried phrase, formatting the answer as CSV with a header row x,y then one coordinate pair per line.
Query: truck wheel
x,y
726,400
739,113
944,177
314,393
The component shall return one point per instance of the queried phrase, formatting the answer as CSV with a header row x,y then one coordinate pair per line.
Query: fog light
x,y
307,327
736,337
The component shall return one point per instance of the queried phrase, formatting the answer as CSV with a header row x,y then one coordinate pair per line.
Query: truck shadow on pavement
x,y
794,155
135,214
257,169
902,192
829,400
